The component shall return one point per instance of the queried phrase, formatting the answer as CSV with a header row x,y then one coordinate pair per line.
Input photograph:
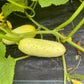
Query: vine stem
x,y
76,66
9,32
77,76
35,5
26,2
70,42
54,32
75,29
23,57
3,30
35,21
36,32
72,17
65,69
9,38
20,15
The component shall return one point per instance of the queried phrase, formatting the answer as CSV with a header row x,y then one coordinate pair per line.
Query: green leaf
x,y
81,0
2,50
8,8
7,66
46,3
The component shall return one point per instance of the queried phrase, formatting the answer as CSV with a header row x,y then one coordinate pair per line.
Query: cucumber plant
x,y
21,36
19,30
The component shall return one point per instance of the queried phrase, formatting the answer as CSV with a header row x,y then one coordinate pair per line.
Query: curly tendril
x,y
25,7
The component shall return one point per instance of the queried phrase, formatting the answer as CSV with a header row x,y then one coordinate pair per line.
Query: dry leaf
x,y
9,24
78,51
65,36
70,68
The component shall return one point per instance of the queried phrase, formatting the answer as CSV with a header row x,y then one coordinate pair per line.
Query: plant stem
x,y
77,76
32,4
36,32
26,2
9,38
72,17
35,21
4,30
20,15
65,70
75,29
70,42
20,58
76,66
54,32
35,5
9,32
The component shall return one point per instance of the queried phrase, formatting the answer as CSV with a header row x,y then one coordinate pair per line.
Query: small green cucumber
x,y
19,30
41,48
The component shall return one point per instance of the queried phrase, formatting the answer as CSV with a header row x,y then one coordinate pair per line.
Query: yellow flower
x,y
76,82
1,17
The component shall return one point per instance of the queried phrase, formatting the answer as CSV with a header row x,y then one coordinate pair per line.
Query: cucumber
x,y
19,30
41,48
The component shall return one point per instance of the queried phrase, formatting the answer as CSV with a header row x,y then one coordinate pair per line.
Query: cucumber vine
x,y
45,30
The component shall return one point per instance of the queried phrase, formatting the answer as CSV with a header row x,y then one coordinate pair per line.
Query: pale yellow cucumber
x,y
41,48
19,30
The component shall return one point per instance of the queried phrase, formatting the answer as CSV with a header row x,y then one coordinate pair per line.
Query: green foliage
x,y
8,8
2,51
7,66
46,3
81,0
